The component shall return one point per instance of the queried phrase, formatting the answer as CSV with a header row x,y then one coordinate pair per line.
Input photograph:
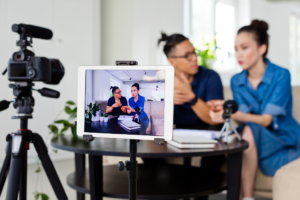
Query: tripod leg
x,y
226,132
222,130
23,182
48,166
5,166
14,178
236,133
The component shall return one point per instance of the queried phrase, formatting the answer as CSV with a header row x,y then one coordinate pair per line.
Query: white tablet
x,y
130,102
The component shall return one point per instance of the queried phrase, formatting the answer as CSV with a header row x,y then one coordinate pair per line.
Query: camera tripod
x,y
15,163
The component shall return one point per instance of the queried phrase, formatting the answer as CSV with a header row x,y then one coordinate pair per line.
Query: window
x,y
294,45
214,20
114,83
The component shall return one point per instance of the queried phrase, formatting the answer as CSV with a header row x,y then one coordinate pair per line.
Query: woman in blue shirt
x,y
263,93
136,103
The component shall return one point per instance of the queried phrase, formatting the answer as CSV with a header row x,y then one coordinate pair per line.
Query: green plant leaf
x,y
62,121
53,128
54,150
72,116
70,103
44,196
38,170
68,110
73,130
65,128
36,196
90,105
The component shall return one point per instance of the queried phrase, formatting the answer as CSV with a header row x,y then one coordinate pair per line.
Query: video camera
x,y
25,66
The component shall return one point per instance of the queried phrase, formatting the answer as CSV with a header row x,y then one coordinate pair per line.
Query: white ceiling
x,y
135,75
282,0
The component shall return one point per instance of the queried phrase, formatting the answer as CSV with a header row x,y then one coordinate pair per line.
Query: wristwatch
x,y
193,101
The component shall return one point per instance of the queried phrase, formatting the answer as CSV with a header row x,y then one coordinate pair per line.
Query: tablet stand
x,y
132,165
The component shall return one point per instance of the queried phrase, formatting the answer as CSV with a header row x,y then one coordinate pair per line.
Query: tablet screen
x,y
125,102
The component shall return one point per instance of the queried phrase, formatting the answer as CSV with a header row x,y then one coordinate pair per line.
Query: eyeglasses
x,y
188,56
118,92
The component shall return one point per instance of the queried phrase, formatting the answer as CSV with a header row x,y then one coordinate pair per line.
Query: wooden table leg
x,y
96,177
80,170
234,168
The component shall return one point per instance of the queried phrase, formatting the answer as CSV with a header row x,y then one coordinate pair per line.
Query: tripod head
x,y
24,101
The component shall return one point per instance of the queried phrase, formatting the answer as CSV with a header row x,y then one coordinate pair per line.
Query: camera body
x,y
24,66
49,71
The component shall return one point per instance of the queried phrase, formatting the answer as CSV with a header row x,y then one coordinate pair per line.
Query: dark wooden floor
x,y
223,197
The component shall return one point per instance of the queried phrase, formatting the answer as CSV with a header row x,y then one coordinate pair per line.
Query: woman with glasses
x,y
117,104
136,104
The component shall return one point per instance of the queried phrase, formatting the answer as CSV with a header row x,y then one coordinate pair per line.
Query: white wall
x,y
131,28
277,15
76,41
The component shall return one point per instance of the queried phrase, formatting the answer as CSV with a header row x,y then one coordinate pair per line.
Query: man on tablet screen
x,y
195,86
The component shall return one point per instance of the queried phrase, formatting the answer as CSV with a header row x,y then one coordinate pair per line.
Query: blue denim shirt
x,y
139,103
279,143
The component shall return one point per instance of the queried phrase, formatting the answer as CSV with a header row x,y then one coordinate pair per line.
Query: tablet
x,y
129,102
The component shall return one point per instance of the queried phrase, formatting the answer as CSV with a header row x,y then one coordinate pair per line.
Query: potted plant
x,y
106,117
101,116
93,110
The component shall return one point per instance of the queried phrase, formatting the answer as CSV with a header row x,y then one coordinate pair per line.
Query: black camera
x,y
25,66
138,110
230,107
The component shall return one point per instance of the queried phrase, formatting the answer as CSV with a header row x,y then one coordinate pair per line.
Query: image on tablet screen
x,y
125,102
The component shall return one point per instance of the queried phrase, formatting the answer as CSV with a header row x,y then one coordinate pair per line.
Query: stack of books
x,y
185,139
130,125
125,117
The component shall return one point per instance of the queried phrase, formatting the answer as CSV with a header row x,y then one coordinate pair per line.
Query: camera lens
x,y
57,71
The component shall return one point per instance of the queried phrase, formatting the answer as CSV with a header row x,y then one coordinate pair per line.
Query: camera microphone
x,y
4,105
32,31
229,107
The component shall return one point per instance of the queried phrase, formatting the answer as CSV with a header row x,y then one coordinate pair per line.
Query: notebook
x,y
125,117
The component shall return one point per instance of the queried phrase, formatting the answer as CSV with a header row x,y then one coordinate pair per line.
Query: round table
x,y
113,126
154,181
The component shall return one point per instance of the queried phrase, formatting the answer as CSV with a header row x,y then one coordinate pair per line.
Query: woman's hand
x,y
128,108
216,110
216,116
216,105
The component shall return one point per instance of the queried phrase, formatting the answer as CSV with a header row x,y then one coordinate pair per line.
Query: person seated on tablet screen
x,y
136,104
195,85
117,104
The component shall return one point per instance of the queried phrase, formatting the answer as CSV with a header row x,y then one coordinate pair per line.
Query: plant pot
x,y
97,117
105,119
101,118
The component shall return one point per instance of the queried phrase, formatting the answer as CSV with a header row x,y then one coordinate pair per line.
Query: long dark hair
x,y
136,85
259,29
171,42
113,88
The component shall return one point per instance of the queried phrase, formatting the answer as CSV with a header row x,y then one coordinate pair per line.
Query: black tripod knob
x,y
121,166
